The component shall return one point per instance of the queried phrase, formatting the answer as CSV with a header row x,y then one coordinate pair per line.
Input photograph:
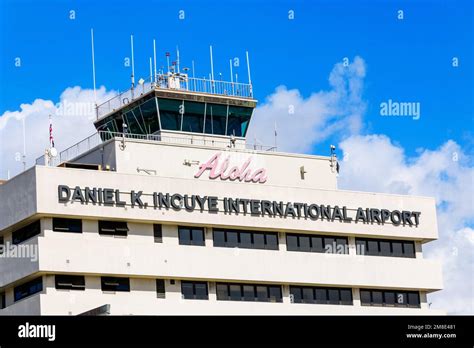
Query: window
x,y
239,118
245,239
30,288
160,288
2,300
70,282
385,247
2,245
291,242
319,295
26,232
157,233
113,228
115,284
316,244
390,298
67,225
194,290
248,292
191,235
414,299
377,298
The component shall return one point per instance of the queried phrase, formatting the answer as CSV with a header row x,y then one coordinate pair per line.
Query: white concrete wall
x,y
138,254
49,178
142,300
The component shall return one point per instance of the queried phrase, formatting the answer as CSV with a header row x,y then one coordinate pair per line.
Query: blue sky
x,y
408,60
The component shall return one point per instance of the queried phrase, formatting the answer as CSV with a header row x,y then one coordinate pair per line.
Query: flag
x,y
51,139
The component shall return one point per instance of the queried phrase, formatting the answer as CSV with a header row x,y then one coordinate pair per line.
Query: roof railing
x,y
177,82
97,138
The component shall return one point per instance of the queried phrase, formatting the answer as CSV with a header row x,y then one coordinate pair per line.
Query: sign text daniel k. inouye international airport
x,y
214,204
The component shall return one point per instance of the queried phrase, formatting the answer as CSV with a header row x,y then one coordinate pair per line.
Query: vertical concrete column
x,y
352,246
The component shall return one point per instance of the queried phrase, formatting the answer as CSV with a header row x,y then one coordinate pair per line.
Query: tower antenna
x,y
168,61
93,73
151,73
154,58
24,144
133,65
212,64
248,70
177,58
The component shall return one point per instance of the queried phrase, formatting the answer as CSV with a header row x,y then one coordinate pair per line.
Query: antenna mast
x,y
24,144
177,58
212,64
93,73
133,65
151,73
248,70
154,58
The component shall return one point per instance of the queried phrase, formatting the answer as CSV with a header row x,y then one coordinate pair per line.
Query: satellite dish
x,y
53,152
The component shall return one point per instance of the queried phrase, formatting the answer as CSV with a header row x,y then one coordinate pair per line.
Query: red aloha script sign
x,y
242,173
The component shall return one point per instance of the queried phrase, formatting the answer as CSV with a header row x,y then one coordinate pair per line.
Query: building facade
x,y
166,210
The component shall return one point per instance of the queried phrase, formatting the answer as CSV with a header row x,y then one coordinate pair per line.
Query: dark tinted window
x,y
377,297
306,243
232,239
397,249
291,242
191,236
413,299
319,295
158,233
248,292
67,225
194,290
27,289
259,240
219,238
26,232
113,228
390,298
372,247
365,297
115,284
317,244
385,247
2,300
308,295
245,239
160,288
70,282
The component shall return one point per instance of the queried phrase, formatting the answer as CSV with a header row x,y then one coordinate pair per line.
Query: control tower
x,y
173,104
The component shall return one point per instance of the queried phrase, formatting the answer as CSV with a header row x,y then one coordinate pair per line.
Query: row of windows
x,y
319,295
317,244
374,247
234,292
238,238
248,292
390,298
245,239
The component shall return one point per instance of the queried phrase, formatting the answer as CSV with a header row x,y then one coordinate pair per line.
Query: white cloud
x,y
72,121
311,120
443,173
373,163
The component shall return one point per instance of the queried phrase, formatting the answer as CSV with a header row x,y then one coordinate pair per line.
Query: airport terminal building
x,y
167,210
